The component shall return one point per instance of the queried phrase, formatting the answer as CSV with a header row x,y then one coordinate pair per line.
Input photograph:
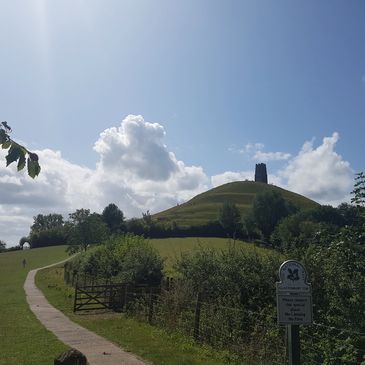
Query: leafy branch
x,y
18,153
359,190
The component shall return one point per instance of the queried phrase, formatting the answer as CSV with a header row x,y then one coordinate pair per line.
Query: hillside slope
x,y
204,207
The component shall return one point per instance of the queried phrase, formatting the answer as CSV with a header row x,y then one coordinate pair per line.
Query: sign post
x,y
294,304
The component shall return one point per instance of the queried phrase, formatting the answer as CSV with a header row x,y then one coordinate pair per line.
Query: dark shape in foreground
x,y
71,357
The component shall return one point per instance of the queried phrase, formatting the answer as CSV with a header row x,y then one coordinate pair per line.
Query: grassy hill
x,y
204,207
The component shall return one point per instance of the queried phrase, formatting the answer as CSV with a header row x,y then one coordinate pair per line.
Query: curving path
x,y
98,350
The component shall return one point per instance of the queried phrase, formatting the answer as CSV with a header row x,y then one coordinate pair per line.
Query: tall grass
x,y
23,340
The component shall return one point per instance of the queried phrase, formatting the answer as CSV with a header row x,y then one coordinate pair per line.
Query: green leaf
x,y
33,156
6,126
15,152
33,168
3,136
6,144
21,162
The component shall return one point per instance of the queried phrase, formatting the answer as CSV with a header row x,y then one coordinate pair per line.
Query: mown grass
x,y
23,340
151,343
172,248
204,207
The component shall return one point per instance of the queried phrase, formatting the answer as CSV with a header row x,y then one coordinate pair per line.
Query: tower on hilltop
x,y
261,173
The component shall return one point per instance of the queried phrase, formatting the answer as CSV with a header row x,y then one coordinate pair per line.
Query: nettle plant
x,y
18,153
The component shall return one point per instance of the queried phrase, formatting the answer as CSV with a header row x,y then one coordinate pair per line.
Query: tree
x,y
230,219
268,208
45,222
2,246
23,240
249,227
135,226
325,214
18,153
296,232
359,190
90,230
114,218
349,213
147,221
47,230
359,196
79,216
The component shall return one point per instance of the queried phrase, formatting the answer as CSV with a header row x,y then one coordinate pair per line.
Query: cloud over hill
x,y
318,172
137,172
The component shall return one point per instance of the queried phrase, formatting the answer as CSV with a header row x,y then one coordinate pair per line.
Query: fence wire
x,y
253,335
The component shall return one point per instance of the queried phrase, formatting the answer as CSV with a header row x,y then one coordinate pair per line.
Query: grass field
x,y
23,340
149,342
172,248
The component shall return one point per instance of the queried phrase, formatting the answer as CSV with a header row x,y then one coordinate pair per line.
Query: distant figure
x,y
24,262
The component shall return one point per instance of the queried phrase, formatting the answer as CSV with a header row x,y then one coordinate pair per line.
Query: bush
x,y
127,258
235,275
50,237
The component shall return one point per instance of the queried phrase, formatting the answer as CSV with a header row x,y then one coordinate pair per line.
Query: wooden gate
x,y
96,297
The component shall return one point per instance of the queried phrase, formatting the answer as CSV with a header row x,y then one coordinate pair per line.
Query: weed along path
x,y
98,350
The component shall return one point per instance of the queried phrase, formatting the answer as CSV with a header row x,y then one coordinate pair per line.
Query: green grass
x,y
149,342
172,248
205,207
23,340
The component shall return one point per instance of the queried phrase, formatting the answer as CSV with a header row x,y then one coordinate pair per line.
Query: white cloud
x,y
271,156
133,156
249,147
318,173
230,176
136,146
255,152
135,171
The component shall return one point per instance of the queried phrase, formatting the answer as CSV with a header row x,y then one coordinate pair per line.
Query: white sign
x,y
294,294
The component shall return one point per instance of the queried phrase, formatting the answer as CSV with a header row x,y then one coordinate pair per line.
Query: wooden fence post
x,y
197,317
125,297
75,298
150,307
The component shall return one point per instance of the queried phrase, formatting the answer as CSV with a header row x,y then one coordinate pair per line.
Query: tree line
x,y
272,221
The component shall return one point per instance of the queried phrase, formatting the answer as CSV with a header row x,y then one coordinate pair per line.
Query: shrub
x,y
127,258
49,237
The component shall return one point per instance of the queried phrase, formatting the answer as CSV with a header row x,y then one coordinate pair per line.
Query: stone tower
x,y
261,173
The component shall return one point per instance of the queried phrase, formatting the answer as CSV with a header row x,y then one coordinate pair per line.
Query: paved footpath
x,y
97,350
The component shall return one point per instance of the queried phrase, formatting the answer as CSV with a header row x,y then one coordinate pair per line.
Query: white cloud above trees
x,y
255,151
271,156
137,172
319,173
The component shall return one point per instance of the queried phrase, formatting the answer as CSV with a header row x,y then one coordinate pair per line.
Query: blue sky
x,y
230,83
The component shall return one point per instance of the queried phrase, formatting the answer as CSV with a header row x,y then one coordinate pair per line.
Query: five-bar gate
x,y
96,297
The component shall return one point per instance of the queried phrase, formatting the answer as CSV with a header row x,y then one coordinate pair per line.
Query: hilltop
x,y
204,207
